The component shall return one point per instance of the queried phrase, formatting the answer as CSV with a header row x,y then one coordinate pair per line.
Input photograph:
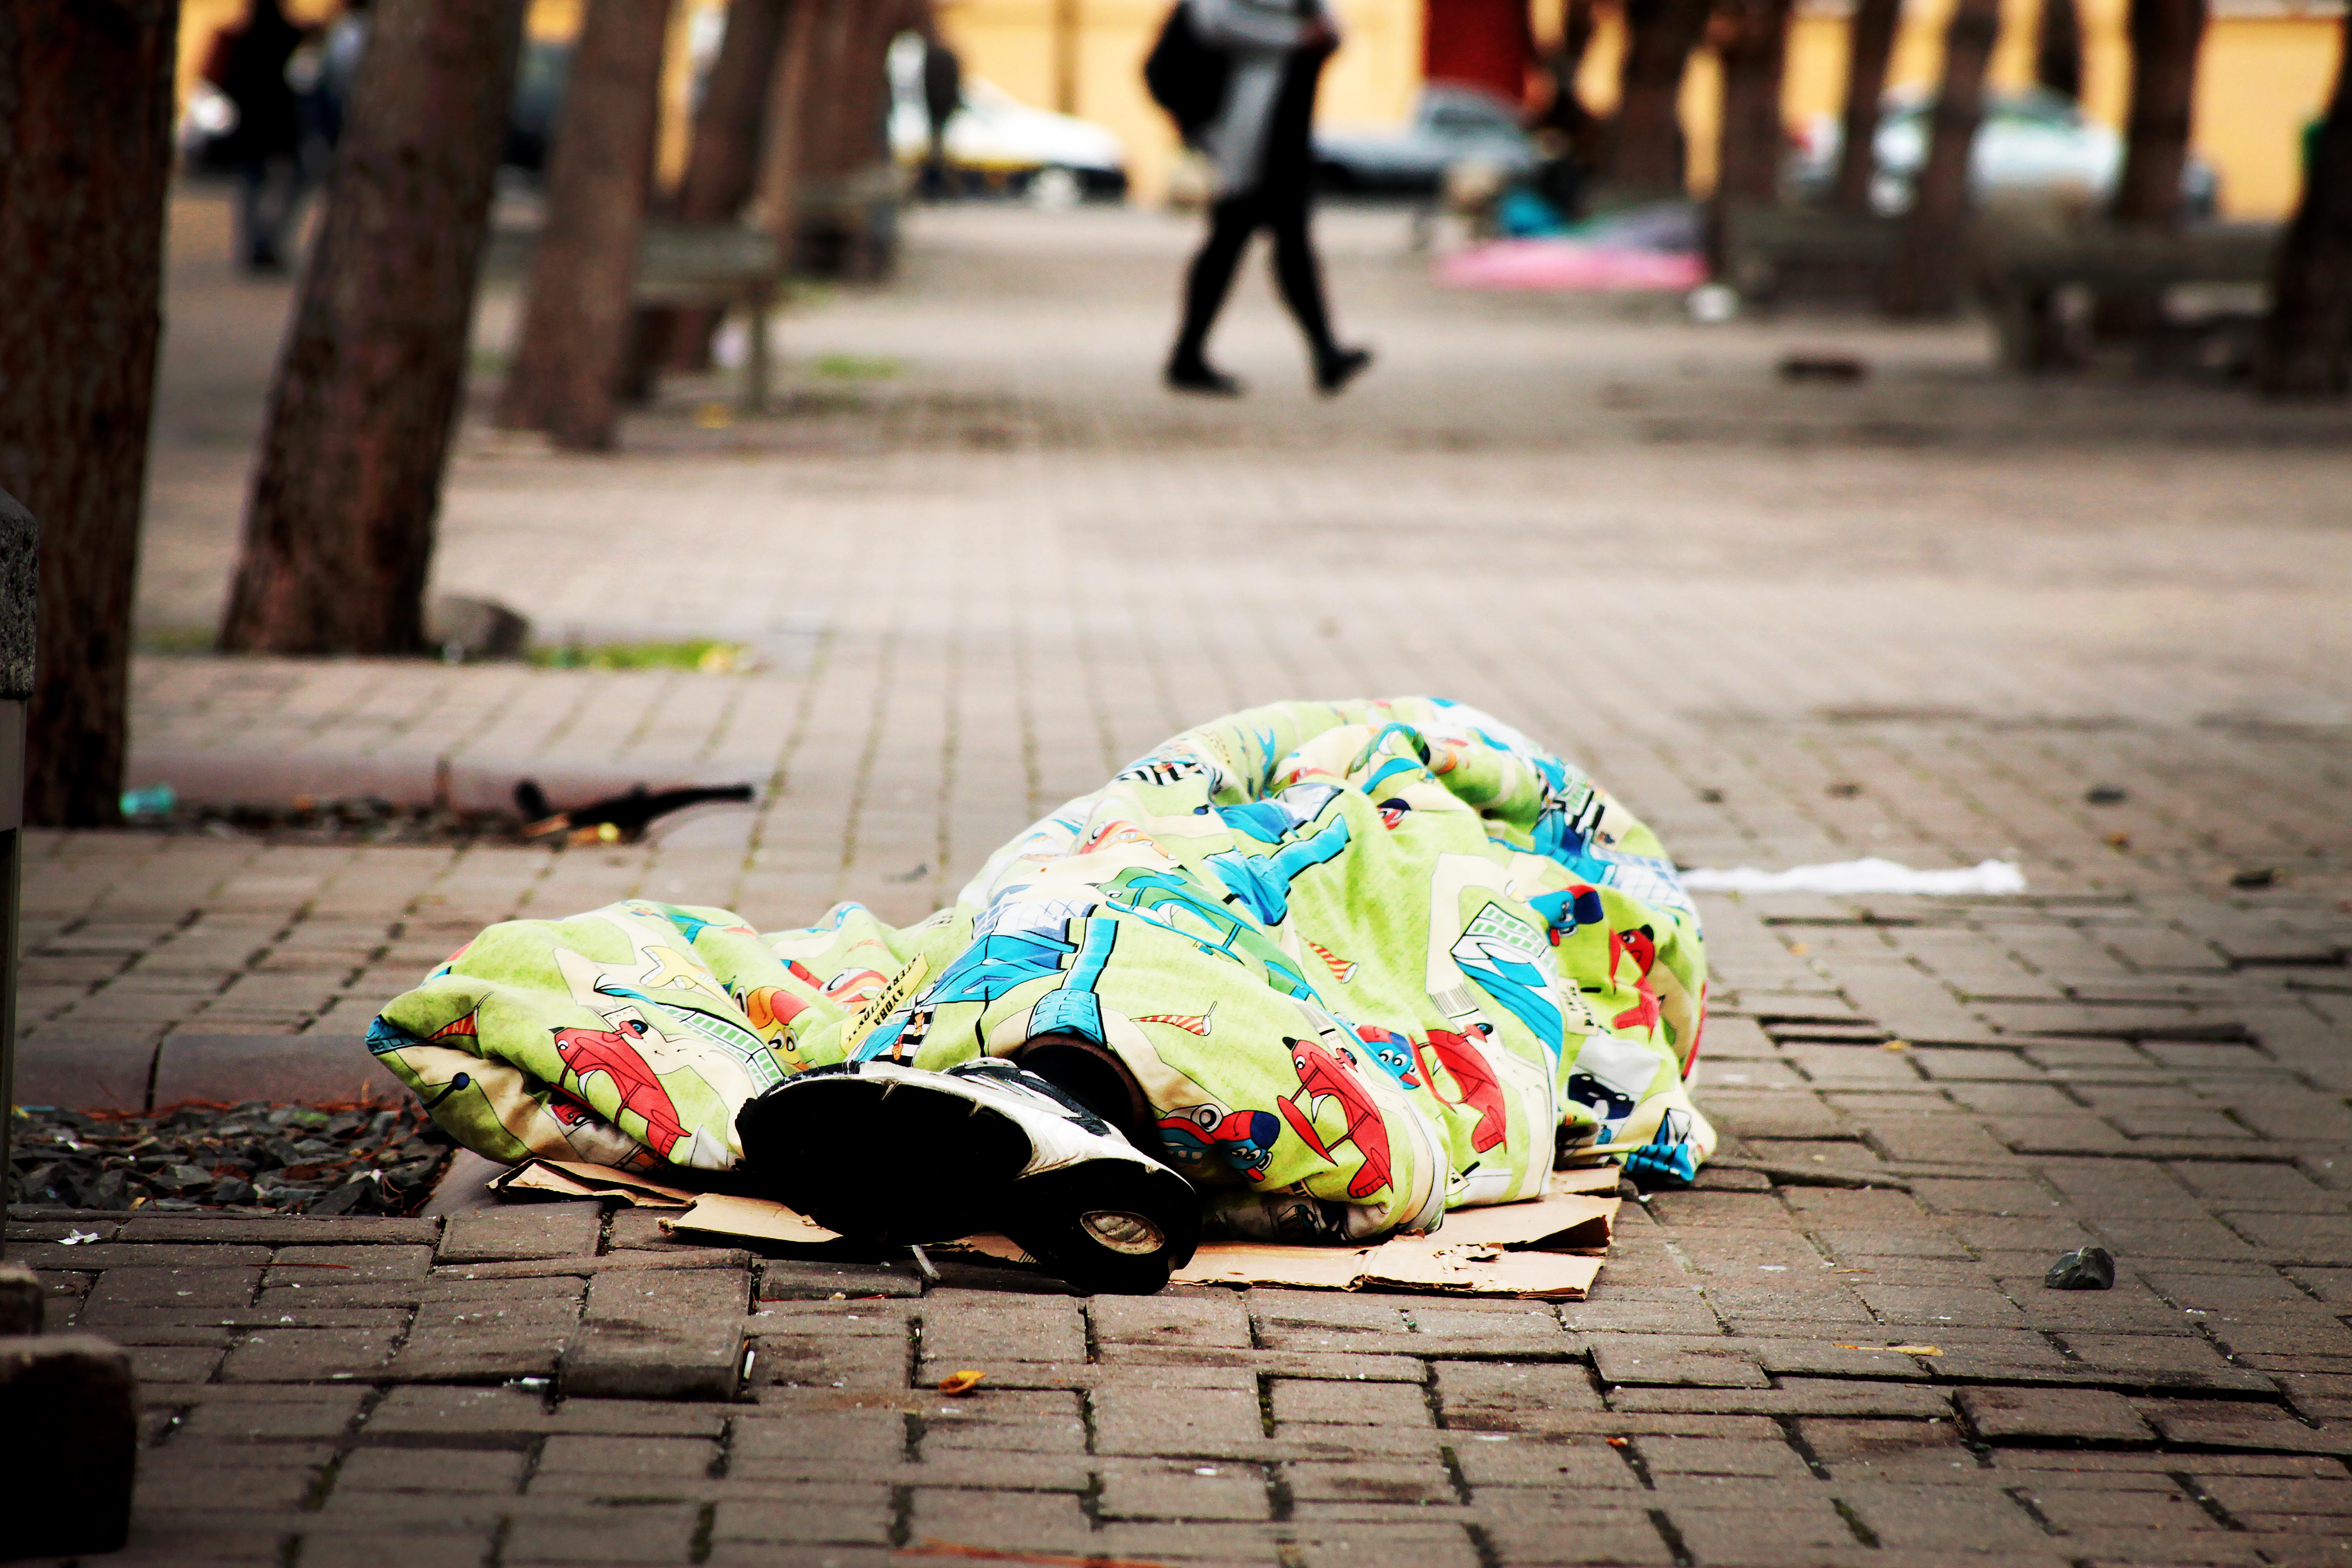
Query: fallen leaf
x,y
1896,1350
962,1383
77,1238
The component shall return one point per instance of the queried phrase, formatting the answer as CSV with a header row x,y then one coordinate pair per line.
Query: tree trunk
x,y
2058,49
2307,342
826,127
2165,36
1646,142
719,167
569,365
85,164
1925,278
1870,44
339,534
783,141
1752,42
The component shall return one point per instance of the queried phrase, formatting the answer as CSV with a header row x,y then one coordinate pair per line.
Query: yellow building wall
x,y
2265,73
2263,77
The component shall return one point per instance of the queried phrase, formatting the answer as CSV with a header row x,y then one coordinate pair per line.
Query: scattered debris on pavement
x,y
2084,1269
350,820
620,818
254,1158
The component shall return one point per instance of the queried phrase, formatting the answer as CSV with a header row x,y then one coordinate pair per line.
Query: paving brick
x,y
1673,1360
518,1232
1181,1490
1500,1397
617,1359
1212,1423
803,1515
2045,1415
1372,1404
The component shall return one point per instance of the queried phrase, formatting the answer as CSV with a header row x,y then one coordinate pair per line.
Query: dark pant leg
x,y
1296,270
1230,222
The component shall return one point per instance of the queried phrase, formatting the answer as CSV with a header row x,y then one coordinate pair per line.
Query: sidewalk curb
x,y
119,1075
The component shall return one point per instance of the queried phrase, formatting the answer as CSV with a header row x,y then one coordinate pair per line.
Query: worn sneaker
x,y
904,1154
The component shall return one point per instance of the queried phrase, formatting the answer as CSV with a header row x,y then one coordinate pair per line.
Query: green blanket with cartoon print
x,y
1369,962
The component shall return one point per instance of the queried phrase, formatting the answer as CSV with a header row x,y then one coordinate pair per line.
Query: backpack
x,y
1185,76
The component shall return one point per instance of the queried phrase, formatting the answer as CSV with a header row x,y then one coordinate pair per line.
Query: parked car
x,y
2030,143
996,142
1450,125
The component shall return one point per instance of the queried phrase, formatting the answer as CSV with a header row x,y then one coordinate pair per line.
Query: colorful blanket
x,y
1368,960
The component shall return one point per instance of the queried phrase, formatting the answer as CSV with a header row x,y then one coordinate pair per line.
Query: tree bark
x,y
783,143
339,533
2165,36
1752,42
85,166
1647,142
2058,48
1870,45
720,165
2307,343
1925,278
568,368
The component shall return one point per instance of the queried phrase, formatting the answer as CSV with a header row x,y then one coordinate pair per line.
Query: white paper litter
x,y
1867,876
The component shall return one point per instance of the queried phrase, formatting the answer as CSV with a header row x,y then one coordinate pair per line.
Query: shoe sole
x,y
906,1163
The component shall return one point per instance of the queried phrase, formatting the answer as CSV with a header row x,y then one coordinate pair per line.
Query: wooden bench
x,y
2022,270
684,265
1781,254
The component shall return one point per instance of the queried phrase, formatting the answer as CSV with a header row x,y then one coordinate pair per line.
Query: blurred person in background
x,y
1260,148
248,63
942,96
321,73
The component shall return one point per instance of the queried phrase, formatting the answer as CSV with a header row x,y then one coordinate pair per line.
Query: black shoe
x,y
899,1154
1335,368
1200,376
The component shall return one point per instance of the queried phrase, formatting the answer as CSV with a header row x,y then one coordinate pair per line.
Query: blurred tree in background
x,y
722,161
2307,345
570,363
2165,36
339,532
2058,49
1870,44
1646,140
1928,260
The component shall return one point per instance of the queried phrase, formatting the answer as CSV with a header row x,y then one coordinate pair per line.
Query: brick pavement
x,y
1924,623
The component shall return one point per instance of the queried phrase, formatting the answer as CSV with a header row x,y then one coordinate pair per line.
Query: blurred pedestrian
x,y
248,63
1260,147
942,97
322,72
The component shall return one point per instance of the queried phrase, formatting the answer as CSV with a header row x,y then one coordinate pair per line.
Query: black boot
x,y
1335,367
1196,374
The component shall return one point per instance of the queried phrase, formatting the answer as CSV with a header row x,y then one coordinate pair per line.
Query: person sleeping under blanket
x,y
1315,971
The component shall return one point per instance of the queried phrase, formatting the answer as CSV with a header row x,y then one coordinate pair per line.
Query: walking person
x,y
248,64
1260,146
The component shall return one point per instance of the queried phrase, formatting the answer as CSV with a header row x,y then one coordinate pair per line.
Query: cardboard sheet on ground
x,y
1550,1247
751,1219
553,1179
